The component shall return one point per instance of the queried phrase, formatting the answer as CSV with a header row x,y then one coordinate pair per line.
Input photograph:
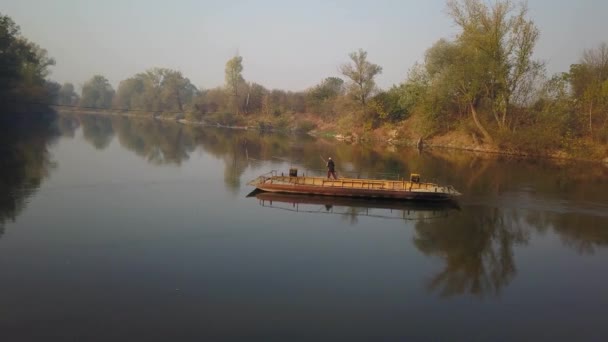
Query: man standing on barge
x,y
331,169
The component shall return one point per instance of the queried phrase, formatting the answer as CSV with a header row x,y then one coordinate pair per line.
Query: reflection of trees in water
x,y
227,145
234,147
562,198
477,249
582,232
162,142
486,176
235,164
24,161
67,125
158,142
476,245
97,130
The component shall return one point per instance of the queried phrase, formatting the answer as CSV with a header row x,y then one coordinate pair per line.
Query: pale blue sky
x,y
285,44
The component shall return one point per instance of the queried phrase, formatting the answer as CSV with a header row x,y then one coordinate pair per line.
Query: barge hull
x,y
354,192
356,188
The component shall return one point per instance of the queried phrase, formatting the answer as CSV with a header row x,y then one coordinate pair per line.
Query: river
x,y
115,228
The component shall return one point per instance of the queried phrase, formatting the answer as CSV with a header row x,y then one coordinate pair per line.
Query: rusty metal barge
x,y
412,189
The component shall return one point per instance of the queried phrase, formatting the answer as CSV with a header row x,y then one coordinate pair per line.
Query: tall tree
x,y
9,58
67,95
361,73
177,92
234,79
130,93
156,90
256,96
589,84
52,89
97,93
450,66
23,66
493,62
327,89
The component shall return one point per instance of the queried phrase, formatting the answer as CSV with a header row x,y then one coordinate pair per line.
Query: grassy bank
x,y
403,134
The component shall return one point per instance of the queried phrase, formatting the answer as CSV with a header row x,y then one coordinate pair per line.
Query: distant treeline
x,y
484,84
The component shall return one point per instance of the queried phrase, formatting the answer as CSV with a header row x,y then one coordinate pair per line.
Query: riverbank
x,y
406,133
392,137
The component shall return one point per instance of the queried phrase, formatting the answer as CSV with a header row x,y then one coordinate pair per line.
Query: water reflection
x,y
24,161
353,208
506,201
584,233
97,130
477,249
553,195
67,125
161,142
476,244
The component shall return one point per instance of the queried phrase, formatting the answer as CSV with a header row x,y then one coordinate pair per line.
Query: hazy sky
x,y
285,44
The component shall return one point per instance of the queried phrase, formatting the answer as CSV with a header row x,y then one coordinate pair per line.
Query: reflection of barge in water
x,y
412,189
382,208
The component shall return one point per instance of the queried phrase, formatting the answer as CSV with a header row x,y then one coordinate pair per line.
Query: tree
x,y
489,66
321,98
589,83
130,93
399,101
9,58
52,90
67,96
23,66
385,105
156,90
255,98
97,93
275,102
452,71
177,92
234,79
329,88
362,74
210,101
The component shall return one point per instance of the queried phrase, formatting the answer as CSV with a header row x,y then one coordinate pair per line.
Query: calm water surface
x,y
123,229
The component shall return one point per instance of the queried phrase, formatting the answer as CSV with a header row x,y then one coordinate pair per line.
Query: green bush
x,y
281,123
